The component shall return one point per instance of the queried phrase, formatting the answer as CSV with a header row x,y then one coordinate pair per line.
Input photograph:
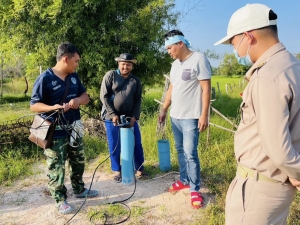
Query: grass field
x,y
216,155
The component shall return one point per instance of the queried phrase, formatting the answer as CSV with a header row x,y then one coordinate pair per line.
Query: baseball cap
x,y
249,17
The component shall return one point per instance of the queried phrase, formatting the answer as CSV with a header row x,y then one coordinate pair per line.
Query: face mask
x,y
246,60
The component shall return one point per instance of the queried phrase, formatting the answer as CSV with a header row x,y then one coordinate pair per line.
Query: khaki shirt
x,y
268,136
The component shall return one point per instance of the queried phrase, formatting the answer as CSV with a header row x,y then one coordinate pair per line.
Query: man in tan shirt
x,y
267,142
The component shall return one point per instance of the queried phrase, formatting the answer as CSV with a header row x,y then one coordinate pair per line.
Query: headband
x,y
175,39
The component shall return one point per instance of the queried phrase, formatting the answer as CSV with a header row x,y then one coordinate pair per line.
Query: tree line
x,y
30,31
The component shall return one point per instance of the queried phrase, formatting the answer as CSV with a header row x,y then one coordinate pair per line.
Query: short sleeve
x,y
203,68
81,88
37,92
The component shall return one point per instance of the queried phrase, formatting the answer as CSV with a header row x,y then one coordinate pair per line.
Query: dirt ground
x,y
28,201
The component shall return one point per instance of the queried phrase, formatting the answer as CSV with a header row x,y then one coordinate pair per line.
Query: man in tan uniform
x,y
267,142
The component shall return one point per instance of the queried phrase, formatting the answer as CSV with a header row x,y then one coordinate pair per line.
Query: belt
x,y
246,172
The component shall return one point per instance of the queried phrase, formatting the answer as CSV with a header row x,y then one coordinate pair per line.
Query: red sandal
x,y
177,186
196,197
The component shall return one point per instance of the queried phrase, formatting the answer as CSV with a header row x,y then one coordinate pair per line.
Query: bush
x,y
14,98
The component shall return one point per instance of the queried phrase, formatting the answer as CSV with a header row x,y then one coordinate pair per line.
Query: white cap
x,y
249,17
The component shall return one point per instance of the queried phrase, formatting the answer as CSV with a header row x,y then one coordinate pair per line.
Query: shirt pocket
x,y
247,113
186,74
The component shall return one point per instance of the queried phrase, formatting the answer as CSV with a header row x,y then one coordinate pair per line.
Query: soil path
x,y
28,201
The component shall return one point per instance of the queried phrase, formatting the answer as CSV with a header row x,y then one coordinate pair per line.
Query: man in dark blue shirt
x,y
47,94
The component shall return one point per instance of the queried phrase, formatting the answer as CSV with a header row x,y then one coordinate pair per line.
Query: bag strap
x,y
65,95
66,91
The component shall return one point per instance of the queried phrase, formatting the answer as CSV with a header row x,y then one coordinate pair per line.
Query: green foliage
x,y
212,54
298,56
294,216
13,110
214,214
13,164
218,164
230,66
15,98
228,105
111,213
101,29
93,147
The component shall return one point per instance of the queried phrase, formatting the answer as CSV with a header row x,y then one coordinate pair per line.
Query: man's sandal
x,y
177,186
118,178
196,200
142,175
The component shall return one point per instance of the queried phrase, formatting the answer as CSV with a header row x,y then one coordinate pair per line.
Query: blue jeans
x,y
113,138
186,135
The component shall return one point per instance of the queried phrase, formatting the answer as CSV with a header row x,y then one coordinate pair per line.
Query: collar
x,y
264,59
119,73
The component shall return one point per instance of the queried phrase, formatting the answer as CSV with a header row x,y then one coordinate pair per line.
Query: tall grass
x,y
13,111
218,164
17,85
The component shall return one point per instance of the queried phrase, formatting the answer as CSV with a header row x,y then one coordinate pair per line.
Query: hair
x,y
272,29
66,48
173,33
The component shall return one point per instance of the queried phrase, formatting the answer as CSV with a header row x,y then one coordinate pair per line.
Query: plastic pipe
x,y
127,148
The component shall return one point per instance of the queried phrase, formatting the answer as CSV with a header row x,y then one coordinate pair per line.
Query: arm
x,y
83,99
41,107
137,105
271,101
167,103
203,120
105,95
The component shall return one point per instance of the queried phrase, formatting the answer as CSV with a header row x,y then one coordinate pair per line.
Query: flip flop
x,y
177,186
143,175
196,200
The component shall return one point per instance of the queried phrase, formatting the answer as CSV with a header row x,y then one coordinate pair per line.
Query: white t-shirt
x,y
187,93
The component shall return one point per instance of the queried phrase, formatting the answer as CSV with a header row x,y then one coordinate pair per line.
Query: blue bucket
x,y
127,148
164,155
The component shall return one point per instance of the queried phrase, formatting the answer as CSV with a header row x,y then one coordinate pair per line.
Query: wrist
x,y
164,110
77,101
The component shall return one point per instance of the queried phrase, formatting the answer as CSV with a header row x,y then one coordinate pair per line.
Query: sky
x,y
207,23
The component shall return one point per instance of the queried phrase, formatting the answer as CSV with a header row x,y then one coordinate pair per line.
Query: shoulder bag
x,y
42,130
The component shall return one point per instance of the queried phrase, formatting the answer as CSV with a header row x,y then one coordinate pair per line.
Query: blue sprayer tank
x,y
127,148
164,155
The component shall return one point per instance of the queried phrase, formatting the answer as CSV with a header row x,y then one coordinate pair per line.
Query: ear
x,y
250,37
65,59
181,44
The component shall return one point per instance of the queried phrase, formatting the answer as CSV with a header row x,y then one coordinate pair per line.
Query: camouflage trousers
x,y
57,155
